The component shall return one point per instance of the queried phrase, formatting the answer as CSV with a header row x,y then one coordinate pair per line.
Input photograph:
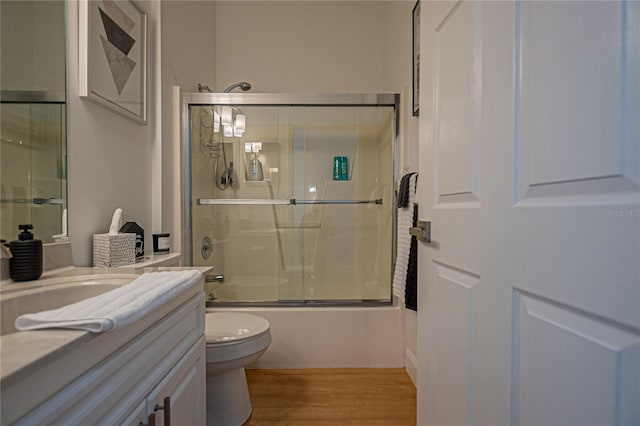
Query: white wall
x,y
397,77
109,156
300,46
188,58
113,161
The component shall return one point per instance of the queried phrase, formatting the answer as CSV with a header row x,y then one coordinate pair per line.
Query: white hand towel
x,y
116,308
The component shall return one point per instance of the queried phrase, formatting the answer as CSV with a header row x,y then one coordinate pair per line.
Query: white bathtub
x,y
331,337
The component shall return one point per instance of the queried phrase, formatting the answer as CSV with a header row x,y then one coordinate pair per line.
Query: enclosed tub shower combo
x,y
290,197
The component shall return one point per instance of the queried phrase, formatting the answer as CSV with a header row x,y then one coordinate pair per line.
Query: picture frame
x,y
416,59
113,56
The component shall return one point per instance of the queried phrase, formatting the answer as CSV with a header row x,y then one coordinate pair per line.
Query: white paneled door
x,y
529,293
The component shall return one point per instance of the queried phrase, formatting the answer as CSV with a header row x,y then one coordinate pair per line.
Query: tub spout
x,y
214,278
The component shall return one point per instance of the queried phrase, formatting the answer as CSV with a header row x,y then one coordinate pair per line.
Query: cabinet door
x,y
185,387
138,416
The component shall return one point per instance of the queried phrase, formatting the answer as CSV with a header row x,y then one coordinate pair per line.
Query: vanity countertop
x,y
62,355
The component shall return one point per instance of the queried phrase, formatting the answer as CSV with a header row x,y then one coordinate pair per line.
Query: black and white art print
x,y
113,50
416,59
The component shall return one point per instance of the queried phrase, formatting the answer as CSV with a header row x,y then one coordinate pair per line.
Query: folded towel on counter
x,y
116,308
404,222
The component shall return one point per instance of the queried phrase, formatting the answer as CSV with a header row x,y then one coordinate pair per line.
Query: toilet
x,y
233,340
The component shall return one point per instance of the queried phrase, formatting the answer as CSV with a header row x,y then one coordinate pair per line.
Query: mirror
x,y
33,178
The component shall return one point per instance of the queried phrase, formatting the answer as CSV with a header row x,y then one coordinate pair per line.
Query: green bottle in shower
x,y
344,168
337,167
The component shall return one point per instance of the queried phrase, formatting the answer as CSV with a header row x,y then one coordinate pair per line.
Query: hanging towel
x,y
406,191
116,308
411,288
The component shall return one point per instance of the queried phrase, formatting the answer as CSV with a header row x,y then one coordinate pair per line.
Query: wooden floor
x,y
322,397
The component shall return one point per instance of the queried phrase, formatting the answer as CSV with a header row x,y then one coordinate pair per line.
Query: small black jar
x,y
26,261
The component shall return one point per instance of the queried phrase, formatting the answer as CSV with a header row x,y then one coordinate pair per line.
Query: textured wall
x,y
109,156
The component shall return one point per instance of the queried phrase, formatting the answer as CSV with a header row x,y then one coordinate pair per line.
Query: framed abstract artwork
x,y
113,56
416,59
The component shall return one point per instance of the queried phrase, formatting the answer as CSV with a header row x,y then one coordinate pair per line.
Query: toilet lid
x,y
228,326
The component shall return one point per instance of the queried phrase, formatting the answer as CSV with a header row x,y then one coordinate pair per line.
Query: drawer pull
x,y
166,407
152,420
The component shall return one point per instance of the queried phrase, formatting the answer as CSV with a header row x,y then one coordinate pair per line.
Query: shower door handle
x,y
422,231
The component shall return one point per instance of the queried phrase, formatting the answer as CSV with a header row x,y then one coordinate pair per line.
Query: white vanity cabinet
x,y
164,363
181,390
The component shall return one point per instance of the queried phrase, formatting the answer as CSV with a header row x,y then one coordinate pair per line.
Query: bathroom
x,y
280,47
234,45
186,43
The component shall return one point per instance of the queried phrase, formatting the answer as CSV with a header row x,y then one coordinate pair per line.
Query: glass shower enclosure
x,y
290,197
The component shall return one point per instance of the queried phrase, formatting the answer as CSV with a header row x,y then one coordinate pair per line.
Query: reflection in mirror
x,y
33,175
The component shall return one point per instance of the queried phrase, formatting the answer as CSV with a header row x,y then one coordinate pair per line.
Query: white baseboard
x,y
411,365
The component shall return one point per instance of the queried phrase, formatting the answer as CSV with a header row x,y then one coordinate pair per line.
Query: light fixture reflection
x,y
227,119
240,122
216,122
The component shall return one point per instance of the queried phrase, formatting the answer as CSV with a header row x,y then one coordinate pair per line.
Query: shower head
x,y
243,85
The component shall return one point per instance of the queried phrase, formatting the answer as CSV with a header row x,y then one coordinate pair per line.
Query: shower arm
x,y
243,85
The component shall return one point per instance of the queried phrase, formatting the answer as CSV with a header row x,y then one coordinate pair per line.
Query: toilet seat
x,y
232,337
226,328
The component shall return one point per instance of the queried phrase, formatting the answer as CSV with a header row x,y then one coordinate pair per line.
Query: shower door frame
x,y
276,100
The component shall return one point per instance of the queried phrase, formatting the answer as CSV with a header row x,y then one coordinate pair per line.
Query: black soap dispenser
x,y
26,261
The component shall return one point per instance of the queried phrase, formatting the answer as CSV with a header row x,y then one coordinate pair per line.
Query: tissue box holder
x,y
110,251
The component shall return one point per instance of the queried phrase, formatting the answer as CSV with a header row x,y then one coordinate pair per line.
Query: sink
x,y
52,293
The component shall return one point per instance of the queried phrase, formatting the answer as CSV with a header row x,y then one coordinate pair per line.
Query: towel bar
x,y
291,201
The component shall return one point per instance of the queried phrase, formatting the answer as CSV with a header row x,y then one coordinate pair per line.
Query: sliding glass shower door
x,y
298,206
